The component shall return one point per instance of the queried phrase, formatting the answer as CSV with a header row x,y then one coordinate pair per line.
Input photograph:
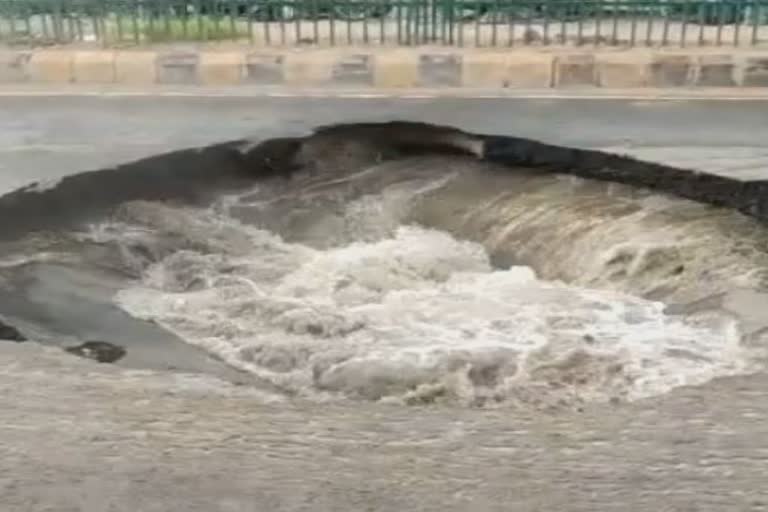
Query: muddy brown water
x,y
330,426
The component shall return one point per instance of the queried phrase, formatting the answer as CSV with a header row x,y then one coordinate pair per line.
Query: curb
x,y
391,68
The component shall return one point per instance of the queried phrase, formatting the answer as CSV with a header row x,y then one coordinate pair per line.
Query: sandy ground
x,y
79,436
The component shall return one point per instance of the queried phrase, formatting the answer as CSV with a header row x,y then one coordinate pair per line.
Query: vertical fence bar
x,y
382,22
166,13
512,25
720,21
219,11
460,27
101,21
57,23
79,30
79,22
67,23
119,21
418,26
478,15
598,20
24,17
443,22
755,10
416,19
430,15
615,28
665,27
54,22
702,22
61,25
350,7
44,22
409,24
332,27
421,22
545,23
135,22
410,14
579,25
369,11
70,17
267,15
428,25
76,22
11,19
215,17
233,13
167,7
633,28
297,27
649,28
433,17
684,21
10,16
737,12
249,12
27,19
198,19
417,22
315,21
151,18
494,20
399,21
528,23
563,21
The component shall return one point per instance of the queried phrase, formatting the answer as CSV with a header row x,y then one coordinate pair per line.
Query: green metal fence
x,y
493,23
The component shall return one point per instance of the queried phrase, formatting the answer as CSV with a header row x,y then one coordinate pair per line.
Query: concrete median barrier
x,y
51,66
94,67
623,71
397,68
136,67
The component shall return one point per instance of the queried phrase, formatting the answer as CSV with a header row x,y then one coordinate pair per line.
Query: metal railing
x,y
491,23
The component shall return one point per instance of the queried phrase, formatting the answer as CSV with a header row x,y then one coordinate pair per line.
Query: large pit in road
x,y
399,262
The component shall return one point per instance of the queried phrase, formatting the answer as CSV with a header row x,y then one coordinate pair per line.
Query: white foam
x,y
419,316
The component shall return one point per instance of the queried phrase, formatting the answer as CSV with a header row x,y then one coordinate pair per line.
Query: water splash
x,y
416,316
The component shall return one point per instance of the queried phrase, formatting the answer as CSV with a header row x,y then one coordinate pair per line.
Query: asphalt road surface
x,y
78,436
47,137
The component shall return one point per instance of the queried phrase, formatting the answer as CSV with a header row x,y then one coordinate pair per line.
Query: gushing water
x,y
437,278
364,287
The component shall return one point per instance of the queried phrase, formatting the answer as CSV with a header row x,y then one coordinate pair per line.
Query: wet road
x,y
51,137
82,437
77,436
